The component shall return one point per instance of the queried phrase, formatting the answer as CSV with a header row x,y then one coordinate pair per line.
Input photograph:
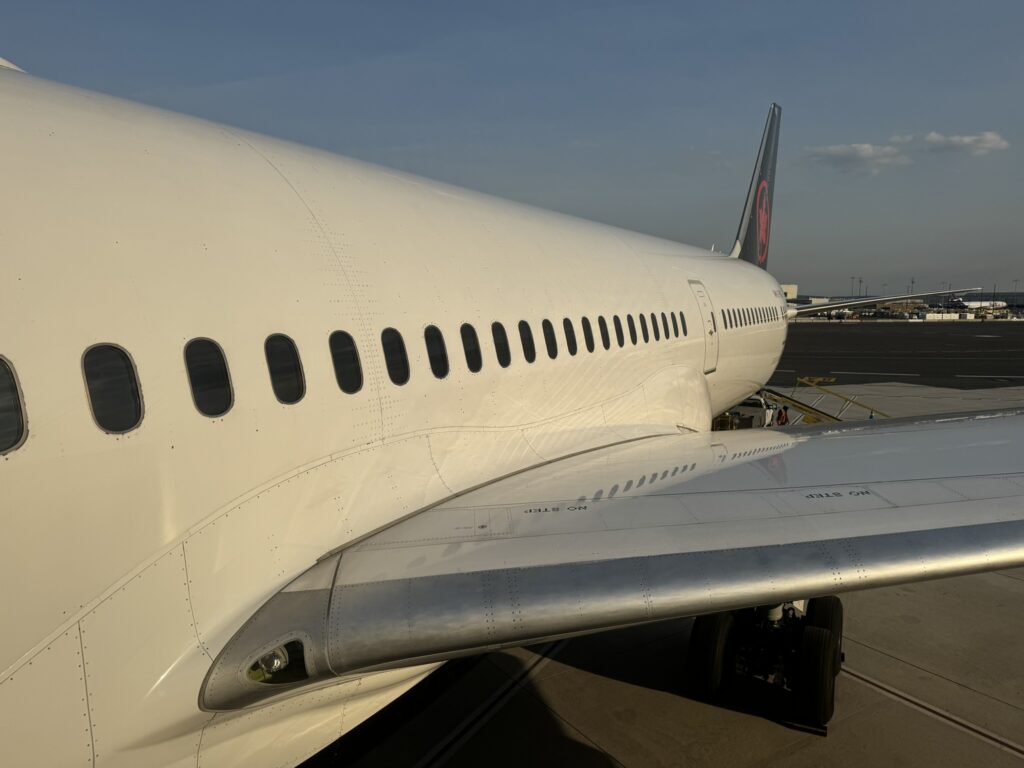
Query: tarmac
x,y
958,355
933,674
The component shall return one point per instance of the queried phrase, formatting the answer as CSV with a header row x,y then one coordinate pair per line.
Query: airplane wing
x,y
814,309
657,528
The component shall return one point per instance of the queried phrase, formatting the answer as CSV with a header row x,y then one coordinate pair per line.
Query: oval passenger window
x,y
394,356
285,368
345,357
526,337
549,339
570,336
437,353
471,345
208,377
588,334
501,348
12,417
113,388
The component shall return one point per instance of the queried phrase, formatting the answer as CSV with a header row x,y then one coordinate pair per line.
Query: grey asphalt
x,y
961,355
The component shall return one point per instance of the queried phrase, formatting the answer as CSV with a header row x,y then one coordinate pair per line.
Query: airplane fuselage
x,y
141,552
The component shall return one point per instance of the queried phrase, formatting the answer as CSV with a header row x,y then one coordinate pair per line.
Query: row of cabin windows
x,y
744,316
437,351
116,397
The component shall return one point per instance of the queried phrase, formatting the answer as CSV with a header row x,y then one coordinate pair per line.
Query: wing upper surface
x,y
658,528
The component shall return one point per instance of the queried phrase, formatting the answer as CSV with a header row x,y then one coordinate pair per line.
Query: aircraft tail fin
x,y
755,226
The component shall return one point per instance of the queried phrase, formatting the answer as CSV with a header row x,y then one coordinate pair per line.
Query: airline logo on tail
x,y
764,222
754,232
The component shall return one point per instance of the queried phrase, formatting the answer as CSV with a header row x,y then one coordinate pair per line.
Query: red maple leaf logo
x,y
764,221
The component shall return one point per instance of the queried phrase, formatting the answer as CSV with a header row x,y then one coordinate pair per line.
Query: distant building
x,y
789,289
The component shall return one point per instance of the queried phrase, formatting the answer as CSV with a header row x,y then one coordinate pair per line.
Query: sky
x,y
902,127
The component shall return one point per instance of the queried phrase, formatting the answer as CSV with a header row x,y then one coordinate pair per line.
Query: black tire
x,y
816,680
827,613
709,658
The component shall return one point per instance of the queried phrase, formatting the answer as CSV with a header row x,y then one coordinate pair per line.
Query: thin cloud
x,y
974,144
872,158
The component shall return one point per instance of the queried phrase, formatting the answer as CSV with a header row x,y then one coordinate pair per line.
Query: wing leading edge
x,y
661,528
815,309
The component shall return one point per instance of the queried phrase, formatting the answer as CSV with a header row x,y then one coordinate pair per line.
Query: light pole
x,y
851,284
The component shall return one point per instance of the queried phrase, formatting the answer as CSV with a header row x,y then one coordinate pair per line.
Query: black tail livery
x,y
756,225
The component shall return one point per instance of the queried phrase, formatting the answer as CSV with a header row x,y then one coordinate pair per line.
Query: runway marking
x,y
873,373
977,731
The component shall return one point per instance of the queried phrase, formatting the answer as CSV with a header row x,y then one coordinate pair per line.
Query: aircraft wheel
x,y
816,678
827,613
709,662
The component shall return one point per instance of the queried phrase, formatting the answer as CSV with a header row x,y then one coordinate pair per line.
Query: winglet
x,y
755,226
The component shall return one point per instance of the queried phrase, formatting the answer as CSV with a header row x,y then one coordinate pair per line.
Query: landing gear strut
x,y
794,646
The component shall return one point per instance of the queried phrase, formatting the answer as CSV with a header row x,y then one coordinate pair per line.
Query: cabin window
x,y
725,318
675,326
570,336
208,376
632,328
643,329
437,353
12,415
619,336
113,388
682,321
501,347
654,327
605,339
664,324
471,346
395,358
285,368
588,334
526,337
347,369
549,338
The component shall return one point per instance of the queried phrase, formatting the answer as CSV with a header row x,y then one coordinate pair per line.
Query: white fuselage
x,y
130,559
983,304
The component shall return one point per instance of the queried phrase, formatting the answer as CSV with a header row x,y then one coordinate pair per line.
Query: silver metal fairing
x,y
355,628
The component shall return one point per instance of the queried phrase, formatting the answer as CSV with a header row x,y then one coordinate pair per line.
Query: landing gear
x,y
711,661
793,648
814,686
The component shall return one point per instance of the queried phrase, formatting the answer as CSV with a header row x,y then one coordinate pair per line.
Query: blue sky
x,y
903,123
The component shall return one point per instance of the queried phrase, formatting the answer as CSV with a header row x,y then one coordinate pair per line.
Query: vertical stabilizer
x,y
755,227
